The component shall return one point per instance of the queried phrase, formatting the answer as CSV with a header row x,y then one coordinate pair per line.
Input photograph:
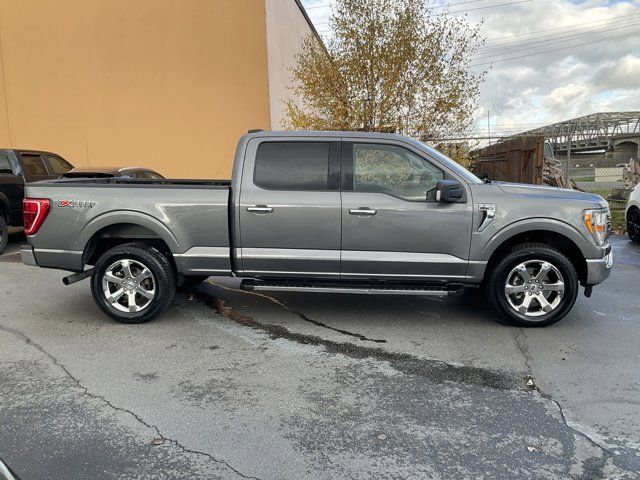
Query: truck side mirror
x,y
449,191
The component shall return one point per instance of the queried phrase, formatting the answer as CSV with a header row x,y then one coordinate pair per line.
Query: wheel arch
x,y
559,240
119,228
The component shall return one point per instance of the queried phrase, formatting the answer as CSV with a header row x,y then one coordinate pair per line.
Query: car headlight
x,y
598,222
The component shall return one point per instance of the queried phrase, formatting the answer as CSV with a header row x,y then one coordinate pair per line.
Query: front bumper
x,y
28,257
599,269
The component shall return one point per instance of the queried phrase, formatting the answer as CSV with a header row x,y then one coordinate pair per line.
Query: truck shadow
x,y
12,251
346,312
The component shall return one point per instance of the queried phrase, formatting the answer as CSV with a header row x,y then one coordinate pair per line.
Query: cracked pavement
x,y
237,385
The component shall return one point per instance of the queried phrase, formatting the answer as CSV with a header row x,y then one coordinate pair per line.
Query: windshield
x,y
452,164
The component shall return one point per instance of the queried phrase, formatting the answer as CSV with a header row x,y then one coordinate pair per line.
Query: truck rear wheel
x,y
133,283
4,233
534,285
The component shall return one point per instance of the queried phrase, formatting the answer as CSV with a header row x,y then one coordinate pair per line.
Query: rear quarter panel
x,y
185,217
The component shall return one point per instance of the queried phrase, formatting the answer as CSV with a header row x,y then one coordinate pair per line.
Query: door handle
x,y
260,209
366,211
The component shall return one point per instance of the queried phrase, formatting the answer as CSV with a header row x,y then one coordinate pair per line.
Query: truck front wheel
x,y
133,283
534,285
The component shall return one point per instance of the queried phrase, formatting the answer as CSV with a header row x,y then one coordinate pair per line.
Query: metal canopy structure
x,y
589,132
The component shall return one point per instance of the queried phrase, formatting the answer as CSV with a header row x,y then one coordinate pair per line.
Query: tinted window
x,y
154,175
292,166
5,165
394,171
58,165
33,165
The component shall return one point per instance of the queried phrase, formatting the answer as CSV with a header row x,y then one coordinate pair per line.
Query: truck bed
x,y
191,217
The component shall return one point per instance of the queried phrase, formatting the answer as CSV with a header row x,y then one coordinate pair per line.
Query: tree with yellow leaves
x,y
390,65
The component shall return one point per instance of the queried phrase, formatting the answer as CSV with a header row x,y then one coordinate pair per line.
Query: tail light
x,y
35,211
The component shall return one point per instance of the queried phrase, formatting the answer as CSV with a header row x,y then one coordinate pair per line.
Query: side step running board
x,y
425,290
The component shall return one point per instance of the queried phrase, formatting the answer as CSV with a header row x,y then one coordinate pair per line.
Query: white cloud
x,y
590,60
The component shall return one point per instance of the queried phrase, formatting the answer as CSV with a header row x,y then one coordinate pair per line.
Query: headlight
x,y
598,222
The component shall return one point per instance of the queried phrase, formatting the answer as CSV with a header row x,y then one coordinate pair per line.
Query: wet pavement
x,y
230,384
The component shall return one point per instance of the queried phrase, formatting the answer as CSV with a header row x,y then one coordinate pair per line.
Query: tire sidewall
x,y
636,215
4,233
503,269
160,275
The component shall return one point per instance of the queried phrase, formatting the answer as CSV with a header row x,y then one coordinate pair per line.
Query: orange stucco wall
x,y
168,84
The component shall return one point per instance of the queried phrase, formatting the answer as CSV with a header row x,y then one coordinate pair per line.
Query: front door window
x,y
394,171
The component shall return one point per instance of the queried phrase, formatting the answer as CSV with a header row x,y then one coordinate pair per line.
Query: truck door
x,y
289,208
392,226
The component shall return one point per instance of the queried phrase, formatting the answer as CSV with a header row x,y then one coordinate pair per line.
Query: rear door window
x,y
5,164
58,166
33,165
292,166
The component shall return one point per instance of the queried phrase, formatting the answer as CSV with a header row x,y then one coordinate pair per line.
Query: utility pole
x,y
489,127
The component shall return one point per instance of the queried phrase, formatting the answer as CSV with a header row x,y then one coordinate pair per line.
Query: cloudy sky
x,y
548,60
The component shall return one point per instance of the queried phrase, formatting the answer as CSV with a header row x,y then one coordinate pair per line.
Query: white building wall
x,y
286,29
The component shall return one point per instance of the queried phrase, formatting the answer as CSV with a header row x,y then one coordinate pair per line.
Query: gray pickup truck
x,y
340,212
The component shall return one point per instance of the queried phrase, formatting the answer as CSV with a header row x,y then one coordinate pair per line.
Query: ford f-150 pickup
x,y
324,212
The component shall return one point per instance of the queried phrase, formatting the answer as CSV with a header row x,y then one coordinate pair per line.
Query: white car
x,y
633,214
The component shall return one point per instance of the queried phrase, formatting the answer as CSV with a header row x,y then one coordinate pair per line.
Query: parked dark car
x,y
111,172
18,167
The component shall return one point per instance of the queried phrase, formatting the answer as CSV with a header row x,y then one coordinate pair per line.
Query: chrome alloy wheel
x,y
534,288
128,286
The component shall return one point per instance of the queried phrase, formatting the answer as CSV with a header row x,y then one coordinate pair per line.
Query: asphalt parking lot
x,y
236,385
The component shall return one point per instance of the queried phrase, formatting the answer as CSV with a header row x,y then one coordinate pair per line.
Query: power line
x,y
561,28
460,11
448,13
313,7
447,5
544,43
554,50
489,6
541,38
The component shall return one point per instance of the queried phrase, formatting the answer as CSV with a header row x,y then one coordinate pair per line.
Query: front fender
x,y
588,249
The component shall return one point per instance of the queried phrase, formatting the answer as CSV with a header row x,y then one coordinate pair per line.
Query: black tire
x,y
163,282
532,254
4,233
633,224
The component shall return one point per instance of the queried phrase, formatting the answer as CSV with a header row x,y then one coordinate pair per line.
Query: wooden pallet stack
x,y
552,173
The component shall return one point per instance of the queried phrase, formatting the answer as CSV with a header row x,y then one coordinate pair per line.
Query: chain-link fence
x,y
612,181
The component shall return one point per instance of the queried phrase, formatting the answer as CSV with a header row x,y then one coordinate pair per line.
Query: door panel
x,y
290,232
410,236
404,239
